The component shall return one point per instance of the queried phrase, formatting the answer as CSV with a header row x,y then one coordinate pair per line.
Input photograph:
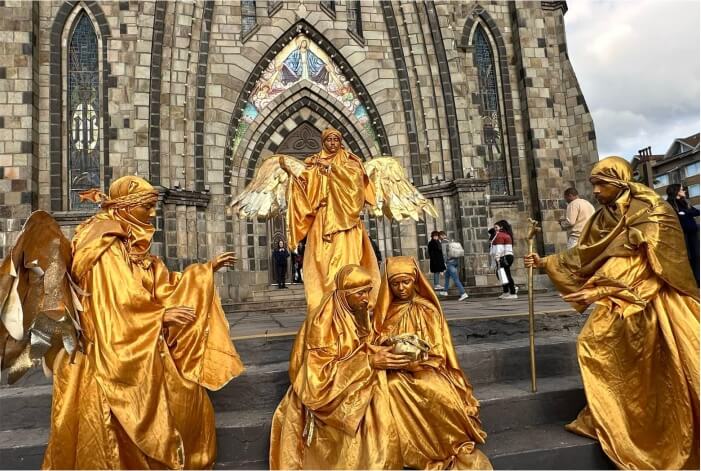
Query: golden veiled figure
x,y
639,349
336,414
435,413
153,341
324,206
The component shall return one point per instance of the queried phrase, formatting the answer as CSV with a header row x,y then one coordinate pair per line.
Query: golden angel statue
x,y
323,199
132,346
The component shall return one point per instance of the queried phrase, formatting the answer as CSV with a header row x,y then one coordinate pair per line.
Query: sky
x,y
637,62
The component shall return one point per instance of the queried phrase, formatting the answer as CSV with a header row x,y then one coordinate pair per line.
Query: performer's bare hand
x,y
583,296
283,165
225,259
384,359
533,260
181,315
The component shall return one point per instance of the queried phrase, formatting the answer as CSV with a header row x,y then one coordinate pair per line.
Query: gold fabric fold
x,y
639,349
334,385
135,398
434,409
324,205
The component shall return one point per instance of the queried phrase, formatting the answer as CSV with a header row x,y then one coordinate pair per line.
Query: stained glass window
x,y
84,112
248,15
495,158
355,22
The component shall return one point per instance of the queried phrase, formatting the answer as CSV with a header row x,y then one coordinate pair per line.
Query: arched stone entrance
x,y
304,140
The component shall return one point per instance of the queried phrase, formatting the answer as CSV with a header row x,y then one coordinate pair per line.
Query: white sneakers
x,y
438,288
442,293
463,297
508,296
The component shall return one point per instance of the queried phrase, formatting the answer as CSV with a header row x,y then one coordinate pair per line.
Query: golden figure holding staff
x,y
639,349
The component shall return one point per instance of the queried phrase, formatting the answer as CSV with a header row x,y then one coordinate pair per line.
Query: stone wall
x,y
175,75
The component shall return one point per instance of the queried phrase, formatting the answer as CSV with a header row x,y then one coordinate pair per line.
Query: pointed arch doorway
x,y
301,142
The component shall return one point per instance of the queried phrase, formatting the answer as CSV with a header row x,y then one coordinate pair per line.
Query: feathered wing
x,y
266,195
396,197
39,302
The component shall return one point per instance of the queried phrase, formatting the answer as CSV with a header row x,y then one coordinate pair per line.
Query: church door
x,y
303,141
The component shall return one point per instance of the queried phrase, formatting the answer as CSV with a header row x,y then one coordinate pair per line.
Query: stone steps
x,y
511,414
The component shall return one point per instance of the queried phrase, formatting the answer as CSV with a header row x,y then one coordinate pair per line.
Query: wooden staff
x,y
533,229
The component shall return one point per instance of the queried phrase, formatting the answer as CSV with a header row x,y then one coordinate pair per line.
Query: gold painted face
x,y
359,301
605,193
144,213
402,287
332,144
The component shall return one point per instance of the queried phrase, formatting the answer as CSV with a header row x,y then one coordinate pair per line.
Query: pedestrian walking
x,y
437,262
452,253
676,196
577,214
280,256
502,249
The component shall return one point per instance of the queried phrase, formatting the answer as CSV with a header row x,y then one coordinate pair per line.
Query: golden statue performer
x,y
323,199
431,397
639,349
132,346
336,413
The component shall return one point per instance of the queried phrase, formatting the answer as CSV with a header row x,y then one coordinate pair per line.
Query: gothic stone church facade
x,y
479,100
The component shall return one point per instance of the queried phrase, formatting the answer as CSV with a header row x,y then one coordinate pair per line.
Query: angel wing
x,y
39,301
265,196
396,197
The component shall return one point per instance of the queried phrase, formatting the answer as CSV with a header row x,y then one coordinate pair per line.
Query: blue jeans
x,y
451,272
436,279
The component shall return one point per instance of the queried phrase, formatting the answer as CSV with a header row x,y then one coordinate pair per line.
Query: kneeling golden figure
x,y
434,411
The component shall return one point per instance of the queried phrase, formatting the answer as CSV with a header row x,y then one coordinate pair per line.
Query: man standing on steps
x,y
639,349
452,252
578,213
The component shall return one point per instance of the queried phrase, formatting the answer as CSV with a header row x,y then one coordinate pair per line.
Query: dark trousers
x,y
505,262
281,273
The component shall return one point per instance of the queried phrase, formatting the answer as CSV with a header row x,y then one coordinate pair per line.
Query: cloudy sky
x,y
637,62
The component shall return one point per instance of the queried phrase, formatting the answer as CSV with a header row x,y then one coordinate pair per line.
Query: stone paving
x,y
283,323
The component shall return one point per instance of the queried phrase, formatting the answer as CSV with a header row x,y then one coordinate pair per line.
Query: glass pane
x,y
248,15
354,19
661,180
691,170
693,190
495,158
84,112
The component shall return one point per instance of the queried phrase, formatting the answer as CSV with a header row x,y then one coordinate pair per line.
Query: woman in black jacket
x,y
435,255
676,196
280,256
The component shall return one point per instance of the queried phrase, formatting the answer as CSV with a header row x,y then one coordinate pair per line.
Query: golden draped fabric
x,y
435,412
136,399
324,205
639,349
335,415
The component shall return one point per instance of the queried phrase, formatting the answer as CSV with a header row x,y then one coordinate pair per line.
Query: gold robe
x,y
325,206
435,412
136,398
639,349
334,415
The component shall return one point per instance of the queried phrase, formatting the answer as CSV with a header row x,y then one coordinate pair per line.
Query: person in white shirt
x,y
578,213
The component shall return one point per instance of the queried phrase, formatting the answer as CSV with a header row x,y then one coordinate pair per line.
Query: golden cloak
x,y
334,415
639,349
324,205
136,399
435,413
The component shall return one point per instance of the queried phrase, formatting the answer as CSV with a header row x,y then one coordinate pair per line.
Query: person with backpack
x,y
452,253
435,255
502,249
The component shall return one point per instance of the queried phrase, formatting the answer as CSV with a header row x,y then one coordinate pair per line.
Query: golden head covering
x,y
614,170
396,266
330,132
126,193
